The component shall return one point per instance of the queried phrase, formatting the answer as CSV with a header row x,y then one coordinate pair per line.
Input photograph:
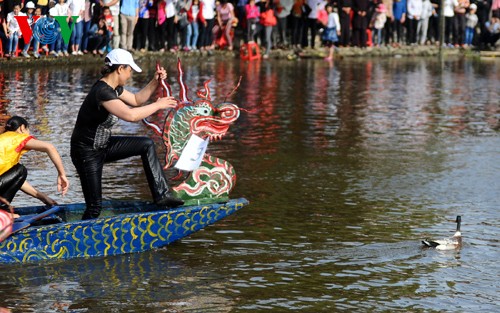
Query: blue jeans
x,y
85,37
192,35
469,35
13,40
77,33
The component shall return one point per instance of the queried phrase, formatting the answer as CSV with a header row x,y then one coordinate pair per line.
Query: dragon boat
x,y
126,227
134,226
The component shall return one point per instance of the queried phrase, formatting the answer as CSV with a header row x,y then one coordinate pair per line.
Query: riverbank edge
x,y
351,52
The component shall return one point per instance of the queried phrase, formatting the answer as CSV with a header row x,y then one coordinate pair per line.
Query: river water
x,y
347,167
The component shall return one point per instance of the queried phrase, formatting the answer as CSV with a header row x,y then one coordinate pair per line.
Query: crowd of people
x,y
189,25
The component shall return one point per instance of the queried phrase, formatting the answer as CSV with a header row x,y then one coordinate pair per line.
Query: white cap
x,y
122,57
30,5
473,7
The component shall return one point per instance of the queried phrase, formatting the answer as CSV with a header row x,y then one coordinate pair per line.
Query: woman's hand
x,y
161,74
62,184
167,103
46,199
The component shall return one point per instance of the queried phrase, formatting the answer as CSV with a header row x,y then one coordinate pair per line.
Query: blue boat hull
x,y
118,234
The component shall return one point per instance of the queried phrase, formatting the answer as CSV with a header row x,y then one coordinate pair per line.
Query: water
x,y
347,167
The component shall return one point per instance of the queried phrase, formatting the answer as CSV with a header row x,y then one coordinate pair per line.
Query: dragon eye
x,y
203,111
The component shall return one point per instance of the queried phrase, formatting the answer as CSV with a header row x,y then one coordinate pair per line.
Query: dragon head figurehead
x,y
214,178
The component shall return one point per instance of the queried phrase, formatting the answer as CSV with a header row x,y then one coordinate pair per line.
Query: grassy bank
x,y
405,51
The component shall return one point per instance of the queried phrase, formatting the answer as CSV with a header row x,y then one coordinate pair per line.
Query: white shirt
x,y
333,21
414,9
208,10
76,8
449,7
62,9
12,22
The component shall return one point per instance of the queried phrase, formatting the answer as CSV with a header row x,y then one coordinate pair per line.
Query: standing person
x,y
283,9
298,20
161,25
433,33
129,13
142,28
387,31
92,144
399,12
77,8
360,22
61,9
3,29
345,7
311,23
114,6
378,22
87,23
471,23
267,22
449,13
332,31
194,18
252,12
459,23
208,12
16,141
423,23
414,12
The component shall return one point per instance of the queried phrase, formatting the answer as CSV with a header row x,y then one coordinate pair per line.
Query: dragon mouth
x,y
215,127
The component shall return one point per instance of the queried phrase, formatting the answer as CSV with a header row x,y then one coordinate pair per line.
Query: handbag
x,y
267,18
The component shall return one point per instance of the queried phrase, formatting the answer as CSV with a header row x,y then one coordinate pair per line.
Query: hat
x,y
473,6
121,57
381,8
30,5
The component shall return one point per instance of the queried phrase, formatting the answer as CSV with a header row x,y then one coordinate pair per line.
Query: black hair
x,y
109,68
15,122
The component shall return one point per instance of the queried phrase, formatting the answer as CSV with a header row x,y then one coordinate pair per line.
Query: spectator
x,y
387,31
30,12
399,12
224,18
208,12
311,22
98,37
129,12
110,25
13,30
360,22
114,6
471,22
378,23
414,12
252,18
298,18
449,13
195,18
142,27
423,23
3,29
332,31
283,9
267,21
77,8
459,23
492,32
61,46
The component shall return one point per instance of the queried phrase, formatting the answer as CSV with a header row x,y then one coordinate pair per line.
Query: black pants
x,y
12,180
89,164
345,29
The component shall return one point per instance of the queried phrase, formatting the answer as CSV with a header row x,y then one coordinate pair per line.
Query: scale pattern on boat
x,y
112,235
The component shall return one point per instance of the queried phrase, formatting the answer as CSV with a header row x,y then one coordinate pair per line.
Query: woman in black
x,y
92,144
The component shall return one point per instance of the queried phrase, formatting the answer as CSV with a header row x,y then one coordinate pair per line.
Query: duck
x,y
454,242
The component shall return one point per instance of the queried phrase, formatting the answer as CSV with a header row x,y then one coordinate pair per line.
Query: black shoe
x,y
169,200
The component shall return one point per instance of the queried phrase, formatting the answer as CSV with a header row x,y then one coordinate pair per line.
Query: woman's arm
x,y
135,114
42,146
145,93
30,190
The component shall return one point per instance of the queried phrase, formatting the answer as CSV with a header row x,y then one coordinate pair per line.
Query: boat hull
x,y
118,234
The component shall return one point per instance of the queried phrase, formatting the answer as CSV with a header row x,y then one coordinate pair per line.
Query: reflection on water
x,y
346,166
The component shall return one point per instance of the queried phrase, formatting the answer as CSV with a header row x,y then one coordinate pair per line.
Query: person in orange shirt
x,y
14,142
